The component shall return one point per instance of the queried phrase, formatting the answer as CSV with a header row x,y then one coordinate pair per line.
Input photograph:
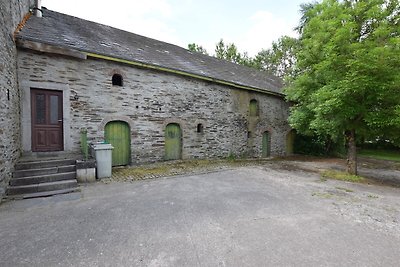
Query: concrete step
x,y
26,165
44,194
43,178
41,187
43,171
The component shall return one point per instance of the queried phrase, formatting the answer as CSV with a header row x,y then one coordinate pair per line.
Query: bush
x,y
317,146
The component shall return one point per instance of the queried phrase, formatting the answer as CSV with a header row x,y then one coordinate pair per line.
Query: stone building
x,y
11,14
151,100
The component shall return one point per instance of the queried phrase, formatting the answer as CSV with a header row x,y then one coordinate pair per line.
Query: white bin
x,y
103,155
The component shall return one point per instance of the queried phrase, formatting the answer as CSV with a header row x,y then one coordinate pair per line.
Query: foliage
x,y
318,146
230,53
345,76
280,59
197,48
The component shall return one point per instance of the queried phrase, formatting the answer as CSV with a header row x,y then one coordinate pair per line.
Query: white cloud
x,y
148,18
264,29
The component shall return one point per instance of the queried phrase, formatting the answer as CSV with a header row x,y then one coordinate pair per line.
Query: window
x,y
253,108
117,80
200,128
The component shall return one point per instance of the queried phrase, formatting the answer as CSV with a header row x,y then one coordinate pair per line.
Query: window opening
x,y
200,128
117,79
253,108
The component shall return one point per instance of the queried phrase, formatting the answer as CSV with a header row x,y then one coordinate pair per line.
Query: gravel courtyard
x,y
244,216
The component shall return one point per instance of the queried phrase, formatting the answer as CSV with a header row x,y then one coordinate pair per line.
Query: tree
x,y
347,80
197,48
230,53
280,59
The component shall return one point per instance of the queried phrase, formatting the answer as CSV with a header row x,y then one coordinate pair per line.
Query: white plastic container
x,y
103,156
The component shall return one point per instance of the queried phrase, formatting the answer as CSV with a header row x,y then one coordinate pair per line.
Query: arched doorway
x,y
173,142
118,134
290,142
266,144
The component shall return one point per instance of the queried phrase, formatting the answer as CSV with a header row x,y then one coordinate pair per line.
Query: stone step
x,y
43,171
44,194
26,165
41,187
30,180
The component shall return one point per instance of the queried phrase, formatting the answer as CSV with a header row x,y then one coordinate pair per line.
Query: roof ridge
x,y
72,32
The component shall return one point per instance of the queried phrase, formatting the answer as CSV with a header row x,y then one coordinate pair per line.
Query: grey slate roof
x,y
74,33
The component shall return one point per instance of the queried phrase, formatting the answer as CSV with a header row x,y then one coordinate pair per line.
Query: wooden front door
x,y
47,120
118,134
173,142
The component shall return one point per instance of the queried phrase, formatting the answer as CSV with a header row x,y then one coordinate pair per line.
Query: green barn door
x,y
265,145
173,142
290,142
117,133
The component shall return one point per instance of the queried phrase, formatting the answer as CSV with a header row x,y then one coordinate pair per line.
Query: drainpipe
x,y
37,10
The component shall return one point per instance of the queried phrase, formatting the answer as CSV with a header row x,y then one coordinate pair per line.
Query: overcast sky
x,y
251,25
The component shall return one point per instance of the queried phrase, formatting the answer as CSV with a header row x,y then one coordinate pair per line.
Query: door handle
x,y
60,120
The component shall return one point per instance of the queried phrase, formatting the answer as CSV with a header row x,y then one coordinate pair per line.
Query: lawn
x,y
380,154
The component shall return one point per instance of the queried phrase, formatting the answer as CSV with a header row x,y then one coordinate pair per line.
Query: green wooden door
x,y
173,142
117,133
290,142
265,145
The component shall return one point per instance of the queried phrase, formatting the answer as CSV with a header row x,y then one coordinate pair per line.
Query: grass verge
x,y
343,176
380,154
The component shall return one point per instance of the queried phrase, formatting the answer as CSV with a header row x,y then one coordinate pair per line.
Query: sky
x,y
251,25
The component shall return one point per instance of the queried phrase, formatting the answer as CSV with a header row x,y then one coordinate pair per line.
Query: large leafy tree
x,y
347,80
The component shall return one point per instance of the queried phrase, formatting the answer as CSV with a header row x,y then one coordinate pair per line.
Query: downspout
x,y
37,10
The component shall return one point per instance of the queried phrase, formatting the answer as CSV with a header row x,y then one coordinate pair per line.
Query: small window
x,y
117,80
200,128
253,108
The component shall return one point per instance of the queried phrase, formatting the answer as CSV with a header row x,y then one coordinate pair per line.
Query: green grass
x,y
380,154
343,176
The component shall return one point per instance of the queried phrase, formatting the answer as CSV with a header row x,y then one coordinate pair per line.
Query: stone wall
x,y
11,13
149,100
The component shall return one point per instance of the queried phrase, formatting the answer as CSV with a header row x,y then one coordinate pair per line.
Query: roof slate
x,y
74,33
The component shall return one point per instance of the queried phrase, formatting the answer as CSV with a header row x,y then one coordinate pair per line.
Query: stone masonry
x,y
11,13
149,100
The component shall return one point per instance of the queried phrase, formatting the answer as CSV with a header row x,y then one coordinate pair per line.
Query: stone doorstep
x,y
42,187
43,194
43,171
43,164
30,180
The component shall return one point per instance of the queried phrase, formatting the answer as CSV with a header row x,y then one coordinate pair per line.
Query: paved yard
x,y
247,216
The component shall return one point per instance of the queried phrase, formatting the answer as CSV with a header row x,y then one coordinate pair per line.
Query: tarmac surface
x,y
246,216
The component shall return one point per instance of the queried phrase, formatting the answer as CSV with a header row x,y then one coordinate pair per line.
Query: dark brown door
x,y
47,124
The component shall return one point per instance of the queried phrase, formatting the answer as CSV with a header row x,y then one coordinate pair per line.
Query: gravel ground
x,y
264,213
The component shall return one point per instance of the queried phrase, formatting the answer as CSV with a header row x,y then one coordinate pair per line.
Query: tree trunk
x,y
351,152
